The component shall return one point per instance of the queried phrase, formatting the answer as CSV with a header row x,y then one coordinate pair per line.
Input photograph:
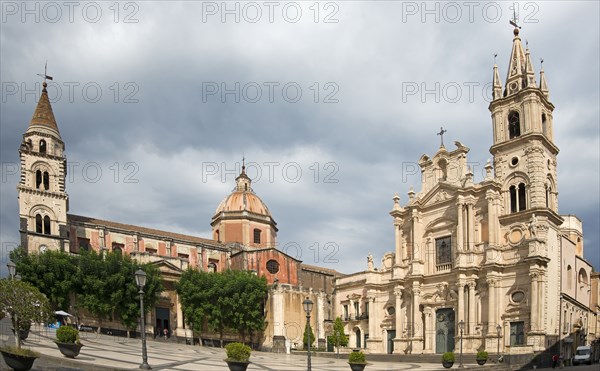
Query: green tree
x,y
307,330
92,287
124,296
51,272
339,338
245,295
229,300
196,290
24,304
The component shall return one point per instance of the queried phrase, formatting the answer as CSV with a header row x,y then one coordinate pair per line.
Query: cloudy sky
x,y
331,103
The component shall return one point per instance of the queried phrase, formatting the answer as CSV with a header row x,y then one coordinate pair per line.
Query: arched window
x,y
514,125
38,179
46,224
513,199
569,277
583,276
256,235
46,178
42,146
443,164
544,125
39,225
548,193
522,198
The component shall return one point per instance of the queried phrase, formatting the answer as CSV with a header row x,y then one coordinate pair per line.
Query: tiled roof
x,y
43,115
149,231
321,269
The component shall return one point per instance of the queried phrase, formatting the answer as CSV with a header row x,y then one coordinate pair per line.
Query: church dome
x,y
243,198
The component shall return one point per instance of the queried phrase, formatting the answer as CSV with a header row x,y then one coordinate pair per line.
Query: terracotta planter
x,y
237,366
357,366
447,364
70,350
18,362
481,362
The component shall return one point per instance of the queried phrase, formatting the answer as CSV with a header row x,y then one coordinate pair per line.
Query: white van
x,y
583,354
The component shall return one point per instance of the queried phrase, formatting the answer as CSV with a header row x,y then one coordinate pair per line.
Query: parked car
x,y
583,354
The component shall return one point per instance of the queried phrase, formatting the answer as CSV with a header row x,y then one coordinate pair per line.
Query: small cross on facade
x,y
441,134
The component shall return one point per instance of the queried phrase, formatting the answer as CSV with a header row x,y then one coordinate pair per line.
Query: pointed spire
x,y
516,67
497,84
543,83
529,73
43,115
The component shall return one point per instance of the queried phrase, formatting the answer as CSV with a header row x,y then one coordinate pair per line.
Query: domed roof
x,y
243,198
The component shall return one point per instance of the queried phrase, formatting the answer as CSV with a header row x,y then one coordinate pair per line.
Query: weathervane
x,y
515,19
541,63
495,55
441,134
45,75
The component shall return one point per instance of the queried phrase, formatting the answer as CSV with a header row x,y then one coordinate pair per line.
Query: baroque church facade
x,y
491,263
244,237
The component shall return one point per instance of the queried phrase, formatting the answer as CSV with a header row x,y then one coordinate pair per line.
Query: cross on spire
x,y
515,18
441,134
45,75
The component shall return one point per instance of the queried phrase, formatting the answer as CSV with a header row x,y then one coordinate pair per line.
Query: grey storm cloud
x,y
157,102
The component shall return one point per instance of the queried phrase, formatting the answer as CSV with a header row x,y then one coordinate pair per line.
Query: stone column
x,y
491,306
320,316
278,319
460,312
472,317
399,316
428,330
535,305
459,224
417,328
470,227
542,298
489,196
179,330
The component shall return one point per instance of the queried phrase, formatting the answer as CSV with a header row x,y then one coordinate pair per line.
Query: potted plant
x,y
67,340
357,361
24,304
238,356
447,359
482,357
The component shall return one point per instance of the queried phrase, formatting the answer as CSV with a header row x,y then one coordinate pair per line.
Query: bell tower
x,y
43,202
523,150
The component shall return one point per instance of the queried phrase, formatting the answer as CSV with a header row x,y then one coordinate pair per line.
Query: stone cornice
x,y
518,142
38,192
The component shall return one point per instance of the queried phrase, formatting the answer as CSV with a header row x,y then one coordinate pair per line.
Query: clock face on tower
x,y
43,248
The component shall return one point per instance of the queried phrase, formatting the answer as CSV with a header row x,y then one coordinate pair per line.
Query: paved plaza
x,y
117,353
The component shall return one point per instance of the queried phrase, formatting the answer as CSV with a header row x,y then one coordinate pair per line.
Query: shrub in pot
x,y
448,359
357,361
67,340
482,357
238,356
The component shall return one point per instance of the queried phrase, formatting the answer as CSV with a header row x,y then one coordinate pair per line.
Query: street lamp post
x,y
12,268
140,279
308,304
461,326
498,330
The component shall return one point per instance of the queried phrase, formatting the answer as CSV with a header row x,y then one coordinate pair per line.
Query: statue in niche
x,y
532,225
